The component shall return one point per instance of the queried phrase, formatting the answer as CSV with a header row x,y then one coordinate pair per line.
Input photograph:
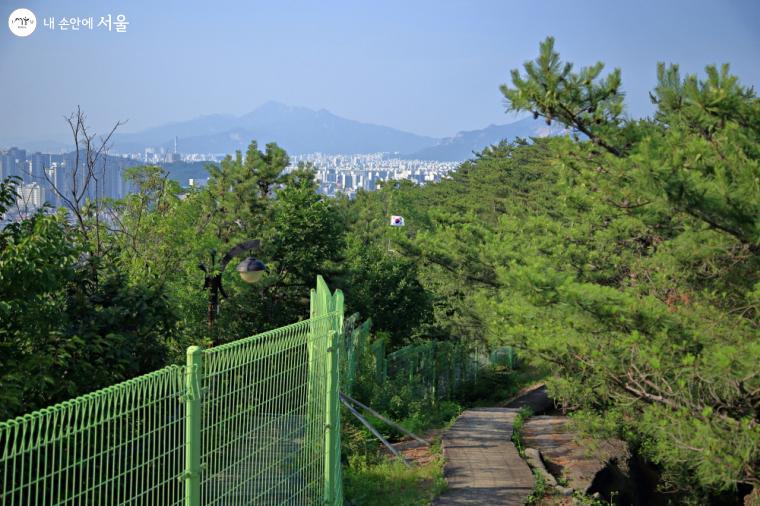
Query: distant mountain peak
x,y
272,105
275,103
296,128
277,107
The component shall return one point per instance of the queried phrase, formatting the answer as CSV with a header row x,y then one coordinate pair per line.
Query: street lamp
x,y
251,270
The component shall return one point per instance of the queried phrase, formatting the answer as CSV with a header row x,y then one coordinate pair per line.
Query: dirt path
x,y
482,464
533,397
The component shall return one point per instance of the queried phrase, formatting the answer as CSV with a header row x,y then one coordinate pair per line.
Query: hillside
x,y
464,144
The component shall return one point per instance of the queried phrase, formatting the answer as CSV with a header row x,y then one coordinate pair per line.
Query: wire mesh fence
x,y
436,368
354,351
120,445
263,440
255,421
426,370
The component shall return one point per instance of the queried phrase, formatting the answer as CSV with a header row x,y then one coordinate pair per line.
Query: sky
x,y
428,67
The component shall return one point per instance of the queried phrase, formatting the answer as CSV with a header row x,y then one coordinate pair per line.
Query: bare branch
x,y
83,174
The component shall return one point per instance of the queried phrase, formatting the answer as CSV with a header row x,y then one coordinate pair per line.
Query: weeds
x,y
391,482
517,427
584,500
539,489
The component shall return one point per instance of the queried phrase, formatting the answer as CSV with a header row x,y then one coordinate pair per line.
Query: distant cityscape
x,y
42,173
336,173
349,173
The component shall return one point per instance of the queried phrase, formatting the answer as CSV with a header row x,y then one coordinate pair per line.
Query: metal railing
x,y
255,421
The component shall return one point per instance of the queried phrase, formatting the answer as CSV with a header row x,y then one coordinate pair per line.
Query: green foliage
x,y
36,266
409,399
124,330
302,217
76,316
666,342
517,427
69,323
539,489
302,237
166,232
370,474
628,260
391,482
386,286
591,104
266,168
8,193
378,280
706,158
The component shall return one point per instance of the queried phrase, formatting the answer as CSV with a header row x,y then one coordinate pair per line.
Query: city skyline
x,y
47,179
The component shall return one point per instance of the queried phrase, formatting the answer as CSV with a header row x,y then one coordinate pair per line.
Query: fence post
x,y
333,484
193,426
332,427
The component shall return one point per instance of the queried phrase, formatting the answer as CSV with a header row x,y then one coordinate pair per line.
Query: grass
x,y
442,414
517,427
539,489
582,499
391,482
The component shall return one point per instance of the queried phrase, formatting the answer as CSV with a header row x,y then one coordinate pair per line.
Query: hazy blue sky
x,y
429,67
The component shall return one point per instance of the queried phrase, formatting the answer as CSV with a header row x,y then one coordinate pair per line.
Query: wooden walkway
x,y
482,464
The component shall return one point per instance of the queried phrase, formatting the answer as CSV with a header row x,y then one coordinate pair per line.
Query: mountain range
x,y
297,129
302,130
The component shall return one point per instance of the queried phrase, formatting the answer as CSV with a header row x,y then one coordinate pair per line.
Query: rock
x,y
533,457
566,454
534,461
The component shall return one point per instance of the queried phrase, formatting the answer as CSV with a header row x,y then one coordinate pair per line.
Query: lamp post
x,y
250,270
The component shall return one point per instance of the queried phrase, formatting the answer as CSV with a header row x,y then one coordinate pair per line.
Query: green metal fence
x,y
120,445
255,421
354,352
435,370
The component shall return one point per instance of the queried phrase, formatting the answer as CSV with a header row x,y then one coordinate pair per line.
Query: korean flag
x,y
397,221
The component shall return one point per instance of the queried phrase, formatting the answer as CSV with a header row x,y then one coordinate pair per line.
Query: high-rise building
x,y
51,196
16,161
12,162
5,165
30,197
39,162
